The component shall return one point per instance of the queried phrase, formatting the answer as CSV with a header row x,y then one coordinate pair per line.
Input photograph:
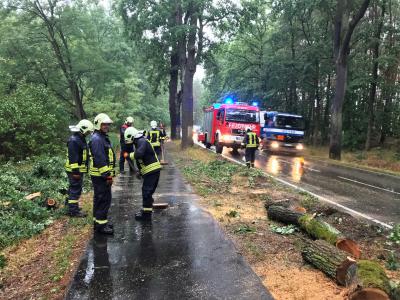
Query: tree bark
x,y
342,40
332,261
369,282
374,79
173,93
285,215
190,69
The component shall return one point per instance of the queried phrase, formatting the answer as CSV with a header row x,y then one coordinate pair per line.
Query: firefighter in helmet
x,y
102,171
125,149
149,168
155,136
250,143
76,165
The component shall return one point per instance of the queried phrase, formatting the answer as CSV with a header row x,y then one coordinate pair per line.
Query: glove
x,y
76,176
109,180
125,154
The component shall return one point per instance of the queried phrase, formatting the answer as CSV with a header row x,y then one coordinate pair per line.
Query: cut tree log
x,y
285,203
284,215
160,205
332,261
317,229
321,230
370,282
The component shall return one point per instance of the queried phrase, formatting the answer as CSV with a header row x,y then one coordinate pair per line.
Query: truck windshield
x,y
288,122
242,115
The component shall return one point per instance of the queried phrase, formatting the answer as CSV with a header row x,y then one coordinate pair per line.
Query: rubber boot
x,y
143,216
104,229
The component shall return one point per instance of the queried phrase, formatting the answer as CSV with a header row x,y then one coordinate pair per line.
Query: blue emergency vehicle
x,y
282,132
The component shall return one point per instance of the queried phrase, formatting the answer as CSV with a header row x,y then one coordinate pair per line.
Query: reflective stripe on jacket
x,y
77,154
251,140
102,156
145,156
154,137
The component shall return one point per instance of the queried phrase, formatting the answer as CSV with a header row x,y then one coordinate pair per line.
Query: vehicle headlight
x,y
300,147
275,145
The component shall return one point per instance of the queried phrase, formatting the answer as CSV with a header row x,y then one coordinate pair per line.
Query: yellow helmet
x,y
101,119
129,120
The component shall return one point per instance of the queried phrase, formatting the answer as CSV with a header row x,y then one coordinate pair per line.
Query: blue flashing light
x,y
217,105
254,103
228,100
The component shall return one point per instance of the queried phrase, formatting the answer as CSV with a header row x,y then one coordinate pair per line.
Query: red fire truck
x,y
225,124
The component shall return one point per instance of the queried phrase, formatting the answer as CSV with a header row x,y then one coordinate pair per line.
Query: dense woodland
x,y
335,62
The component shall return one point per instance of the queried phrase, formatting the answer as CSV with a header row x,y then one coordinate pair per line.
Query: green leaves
x,y
21,218
284,230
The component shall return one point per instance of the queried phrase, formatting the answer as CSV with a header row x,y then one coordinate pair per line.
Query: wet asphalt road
x,y
373,194
182,254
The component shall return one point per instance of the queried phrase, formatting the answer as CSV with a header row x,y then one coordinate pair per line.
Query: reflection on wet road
x,y
374,194
182,254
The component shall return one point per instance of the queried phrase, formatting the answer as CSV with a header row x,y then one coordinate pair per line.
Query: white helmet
x,y
153,124
132,133
84,127
129,120
248,128
101,119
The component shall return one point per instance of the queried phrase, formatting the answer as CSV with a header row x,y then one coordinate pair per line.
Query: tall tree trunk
x,y
77,97
342,39
190,69
374,80
335,147
317,104
325,127
173,93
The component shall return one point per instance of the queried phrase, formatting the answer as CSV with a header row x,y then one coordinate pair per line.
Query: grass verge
x,y
235,196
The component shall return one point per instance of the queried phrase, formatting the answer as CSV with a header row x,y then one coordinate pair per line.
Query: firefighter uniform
x,y
251,144
156,136
102,169
76,165
149,168
125,148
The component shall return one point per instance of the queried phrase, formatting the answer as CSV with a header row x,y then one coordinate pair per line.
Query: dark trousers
x,y
157,150
150,183
250,155
101,200
74,193
122,161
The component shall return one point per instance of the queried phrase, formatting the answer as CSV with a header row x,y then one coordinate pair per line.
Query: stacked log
x,y
332,261
365,279
317,229
330,254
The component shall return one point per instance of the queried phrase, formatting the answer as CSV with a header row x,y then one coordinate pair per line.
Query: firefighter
x,y
76,165
125,149
250,143
102,171
155,135
149,168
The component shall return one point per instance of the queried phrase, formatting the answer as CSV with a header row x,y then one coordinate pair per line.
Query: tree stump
x,y
332,261
284,215
369,283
